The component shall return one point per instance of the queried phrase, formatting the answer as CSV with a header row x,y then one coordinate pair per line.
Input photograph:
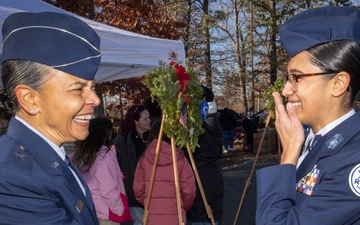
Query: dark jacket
x,y
126,156
207,162
227,120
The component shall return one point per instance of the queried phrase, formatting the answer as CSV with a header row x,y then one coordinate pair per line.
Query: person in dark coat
x,y
228,124
207,158
250,128
130,144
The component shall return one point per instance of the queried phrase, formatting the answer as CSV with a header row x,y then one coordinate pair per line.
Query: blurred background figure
x,y
96,159
154,109
5,115
207,157
228,124
163,205
250,128
130,144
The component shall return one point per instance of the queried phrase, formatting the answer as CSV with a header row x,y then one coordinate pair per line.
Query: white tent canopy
x,y
124,54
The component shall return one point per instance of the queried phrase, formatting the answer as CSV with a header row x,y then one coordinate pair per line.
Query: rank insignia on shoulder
x,y
54,165
20,155
334,141
354,180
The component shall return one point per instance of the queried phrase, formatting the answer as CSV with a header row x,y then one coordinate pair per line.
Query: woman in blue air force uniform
x,y
49,61
318,179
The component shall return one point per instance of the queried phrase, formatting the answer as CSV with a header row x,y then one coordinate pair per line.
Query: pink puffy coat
x,y
163,207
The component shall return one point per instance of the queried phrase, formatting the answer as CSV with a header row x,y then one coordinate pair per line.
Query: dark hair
x,y
100,133
153,107
5,112
154,132
208,95
337,56
15,72
128,124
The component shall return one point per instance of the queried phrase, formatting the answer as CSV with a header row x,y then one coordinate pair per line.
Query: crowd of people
x,y
109,178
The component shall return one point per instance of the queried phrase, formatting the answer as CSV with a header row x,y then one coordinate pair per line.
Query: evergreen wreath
x,y
174,89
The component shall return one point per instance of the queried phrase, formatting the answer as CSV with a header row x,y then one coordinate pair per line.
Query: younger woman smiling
x,y
317,181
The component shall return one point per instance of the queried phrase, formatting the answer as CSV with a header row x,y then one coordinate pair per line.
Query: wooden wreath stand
x,y
176,176
248,181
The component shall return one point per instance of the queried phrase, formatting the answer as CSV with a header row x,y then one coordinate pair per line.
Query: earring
x,y
32,111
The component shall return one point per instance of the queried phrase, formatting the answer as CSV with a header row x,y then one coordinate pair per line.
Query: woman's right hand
x,y
289,129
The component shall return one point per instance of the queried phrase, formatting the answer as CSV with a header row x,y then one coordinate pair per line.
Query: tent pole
x,y
248,181
153,172
198,180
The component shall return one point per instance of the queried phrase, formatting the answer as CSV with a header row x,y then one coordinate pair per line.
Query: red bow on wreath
x,y
183,79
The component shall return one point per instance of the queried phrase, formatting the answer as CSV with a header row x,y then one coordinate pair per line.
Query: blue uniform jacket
x,y
325,189
36,185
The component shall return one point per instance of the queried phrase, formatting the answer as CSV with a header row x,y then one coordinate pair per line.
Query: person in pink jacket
x,y
96,159
163,206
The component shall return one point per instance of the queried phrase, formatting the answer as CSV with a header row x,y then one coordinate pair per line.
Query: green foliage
x,y
276,87
164,88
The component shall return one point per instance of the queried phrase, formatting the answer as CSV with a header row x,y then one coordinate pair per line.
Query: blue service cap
x,y
318,26
54,39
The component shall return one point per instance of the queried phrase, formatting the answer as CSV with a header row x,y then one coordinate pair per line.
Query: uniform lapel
x,y
87,191
311,158
329,144
49,160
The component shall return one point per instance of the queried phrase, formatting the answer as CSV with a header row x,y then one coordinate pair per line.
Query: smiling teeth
x,y
296,104
85,117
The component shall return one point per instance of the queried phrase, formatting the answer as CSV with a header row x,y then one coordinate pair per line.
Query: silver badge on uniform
x,y
334,141
54,165
20,155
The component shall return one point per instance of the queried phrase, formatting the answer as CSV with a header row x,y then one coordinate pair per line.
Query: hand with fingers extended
x,y
289,129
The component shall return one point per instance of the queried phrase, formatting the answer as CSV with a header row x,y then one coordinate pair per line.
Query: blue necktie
x,y
73,171
316,139
310,144
67,160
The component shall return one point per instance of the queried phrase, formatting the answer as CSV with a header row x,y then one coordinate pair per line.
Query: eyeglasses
x,y
293,78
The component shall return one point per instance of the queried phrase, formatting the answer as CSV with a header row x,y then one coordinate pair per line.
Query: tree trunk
x,y
273,57
239,60
207,50
252,56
